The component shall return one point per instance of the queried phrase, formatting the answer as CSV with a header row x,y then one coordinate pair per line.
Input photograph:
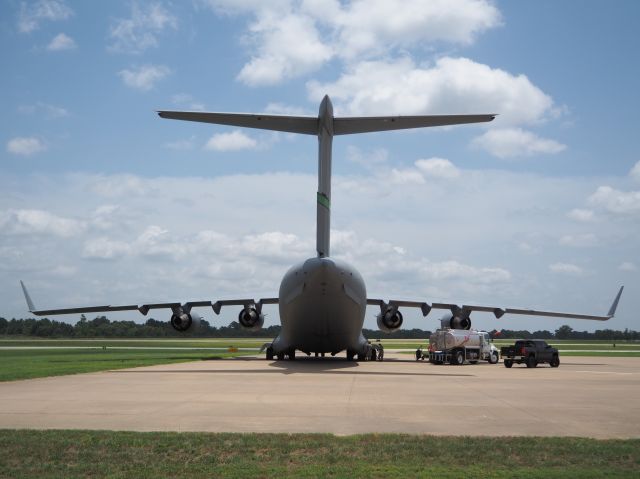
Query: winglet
x,y
614,305
30,305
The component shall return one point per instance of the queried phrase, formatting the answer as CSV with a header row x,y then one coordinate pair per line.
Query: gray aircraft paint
x,y
322,300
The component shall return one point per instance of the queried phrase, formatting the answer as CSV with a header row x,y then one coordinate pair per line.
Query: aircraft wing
x,y
145,308
465,310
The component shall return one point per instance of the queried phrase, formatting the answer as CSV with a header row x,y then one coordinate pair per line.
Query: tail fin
x,y
325,126
614,305
30,305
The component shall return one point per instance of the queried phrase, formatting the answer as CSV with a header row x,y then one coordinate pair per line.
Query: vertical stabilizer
x,y
325,126
325,140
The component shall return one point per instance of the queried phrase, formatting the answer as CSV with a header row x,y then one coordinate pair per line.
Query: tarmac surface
x,y
595,397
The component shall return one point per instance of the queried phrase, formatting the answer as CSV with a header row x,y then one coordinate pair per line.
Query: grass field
x,y
98,454
56,360
25,358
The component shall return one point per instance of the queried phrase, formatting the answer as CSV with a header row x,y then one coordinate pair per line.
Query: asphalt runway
x,y
587,396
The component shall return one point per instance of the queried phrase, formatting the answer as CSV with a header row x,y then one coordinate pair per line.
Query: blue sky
x,y
101,201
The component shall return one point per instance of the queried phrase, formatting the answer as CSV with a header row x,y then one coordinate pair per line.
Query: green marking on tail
x,y
324,201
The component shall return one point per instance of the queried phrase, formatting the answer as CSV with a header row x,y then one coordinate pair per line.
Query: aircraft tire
x,y
269,355
280,356
292,355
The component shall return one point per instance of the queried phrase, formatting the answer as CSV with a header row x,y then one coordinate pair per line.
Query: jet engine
x,y
390,320
249,318
183,321
455,322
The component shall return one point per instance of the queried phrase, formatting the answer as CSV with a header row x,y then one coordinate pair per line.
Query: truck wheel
x,y
555,361
508,363
459,357
493,359
531,362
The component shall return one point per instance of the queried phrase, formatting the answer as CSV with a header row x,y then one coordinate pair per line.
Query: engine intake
x,y
249,318
183,321
456,322
390,320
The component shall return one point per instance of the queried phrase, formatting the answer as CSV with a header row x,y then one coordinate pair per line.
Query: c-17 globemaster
x,y
322,300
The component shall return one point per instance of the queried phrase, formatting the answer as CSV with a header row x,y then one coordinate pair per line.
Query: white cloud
x,y
50,111
115,186
451,85
579,241
144,77
187,102
25,146
628,266
276,108
61,42
438,168
233,141
635,171
582,215
566,268
295,38
182,145
615,201
435,241
31,14
31,221
369,159
405,176
287,46
457,270
516,142
373,27
140,31
104,248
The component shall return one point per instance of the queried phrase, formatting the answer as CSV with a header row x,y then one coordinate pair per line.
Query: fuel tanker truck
x,y
455,346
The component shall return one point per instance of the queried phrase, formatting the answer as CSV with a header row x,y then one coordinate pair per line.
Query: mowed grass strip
x,y
98,454
36,363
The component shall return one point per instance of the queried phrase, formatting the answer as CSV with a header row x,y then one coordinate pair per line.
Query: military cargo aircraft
x,y
322,300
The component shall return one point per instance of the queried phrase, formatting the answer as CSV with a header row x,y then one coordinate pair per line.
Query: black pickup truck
x,y
530,352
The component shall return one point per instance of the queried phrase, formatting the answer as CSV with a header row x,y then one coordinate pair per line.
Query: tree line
x,y
102,327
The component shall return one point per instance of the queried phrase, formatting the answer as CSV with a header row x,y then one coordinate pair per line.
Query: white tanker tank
x,y
455,346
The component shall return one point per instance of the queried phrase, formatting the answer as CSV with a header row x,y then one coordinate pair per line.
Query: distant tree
x,y
564,332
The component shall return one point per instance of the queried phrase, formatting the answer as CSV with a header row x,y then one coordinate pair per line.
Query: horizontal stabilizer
x,y
349,125
309,125
290,124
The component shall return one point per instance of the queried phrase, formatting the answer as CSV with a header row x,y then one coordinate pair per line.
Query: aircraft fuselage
x,y
322,306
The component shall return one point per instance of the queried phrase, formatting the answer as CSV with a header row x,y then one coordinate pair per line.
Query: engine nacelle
x,y
250,319
183,321
390,320
455,322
